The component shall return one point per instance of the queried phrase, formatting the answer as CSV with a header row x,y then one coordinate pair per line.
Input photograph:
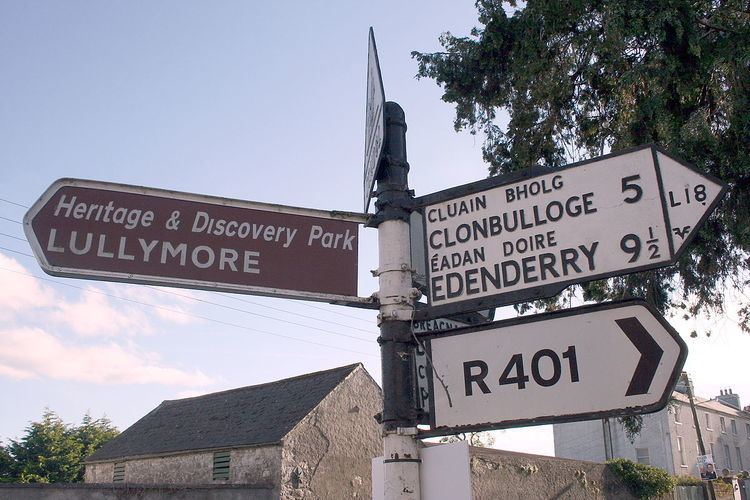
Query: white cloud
x,y
34,353
19,292
28,300
171,304
95,315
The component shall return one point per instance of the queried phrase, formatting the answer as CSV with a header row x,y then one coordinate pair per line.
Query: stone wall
x,y
132,491
258,466
520,476
328,454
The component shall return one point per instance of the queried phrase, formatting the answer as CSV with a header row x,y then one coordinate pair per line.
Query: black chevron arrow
x,y
650,355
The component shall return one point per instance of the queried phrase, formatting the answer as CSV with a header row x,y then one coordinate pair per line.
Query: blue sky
x,y
262,101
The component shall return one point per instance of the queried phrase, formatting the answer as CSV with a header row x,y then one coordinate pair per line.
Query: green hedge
x,y
643,481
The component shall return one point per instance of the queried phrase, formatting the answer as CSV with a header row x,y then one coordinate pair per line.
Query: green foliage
x,y
53,451
643,481
92,434
632,426
685,480
582,77
5,464
723,488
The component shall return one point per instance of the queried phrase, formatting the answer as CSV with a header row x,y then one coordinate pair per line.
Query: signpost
x,y
374,120
530,234
522,236
583,363
114,232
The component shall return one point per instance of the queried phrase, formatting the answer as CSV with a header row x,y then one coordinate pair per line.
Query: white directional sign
x,y
589,362
374,119
530,234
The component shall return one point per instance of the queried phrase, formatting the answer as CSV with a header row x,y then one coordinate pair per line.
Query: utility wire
x,y
241,300
213,304
196,299
203,301
16,251
10,220
177,311
14,237
336,312
14,203
236,298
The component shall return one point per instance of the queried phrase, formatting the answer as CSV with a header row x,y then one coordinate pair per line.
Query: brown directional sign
x,y
620,358
106,231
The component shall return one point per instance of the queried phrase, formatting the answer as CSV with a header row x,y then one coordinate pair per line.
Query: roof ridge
x,y
348,368
248,416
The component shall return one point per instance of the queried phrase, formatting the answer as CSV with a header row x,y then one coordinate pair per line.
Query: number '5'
x,y
628,184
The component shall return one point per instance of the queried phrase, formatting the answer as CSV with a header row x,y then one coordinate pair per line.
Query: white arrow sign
x,y
530,234
589,362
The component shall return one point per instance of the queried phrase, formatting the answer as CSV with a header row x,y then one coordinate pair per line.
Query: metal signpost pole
x,y
396,295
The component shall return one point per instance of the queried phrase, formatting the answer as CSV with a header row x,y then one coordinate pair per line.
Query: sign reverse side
x,y
530,234
374,120
589,362
116,232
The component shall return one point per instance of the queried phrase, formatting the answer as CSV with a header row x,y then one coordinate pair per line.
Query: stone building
x,y
307,436
668,439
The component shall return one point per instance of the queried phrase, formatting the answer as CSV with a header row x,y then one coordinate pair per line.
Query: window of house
x,y
739,458
708,422
713,453
681,451
733,424
747,429
118,475
727,457
221,466
677,414
641,456
722,424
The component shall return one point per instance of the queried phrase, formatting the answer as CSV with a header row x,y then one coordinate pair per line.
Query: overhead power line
x,y
13,203
177,311
14,237
205,302
10,220
241,300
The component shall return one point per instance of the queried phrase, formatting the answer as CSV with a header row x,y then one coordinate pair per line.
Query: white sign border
x,y
65,272
553,419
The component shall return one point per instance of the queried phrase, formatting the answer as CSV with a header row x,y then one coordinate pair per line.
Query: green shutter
x,y
221,466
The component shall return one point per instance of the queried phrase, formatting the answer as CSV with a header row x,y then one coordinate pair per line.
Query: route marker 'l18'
x,y
530,234
590,362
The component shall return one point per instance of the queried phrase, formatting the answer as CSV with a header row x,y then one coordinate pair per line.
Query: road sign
x,y
589,362
421,364
530,234
374,119
115,232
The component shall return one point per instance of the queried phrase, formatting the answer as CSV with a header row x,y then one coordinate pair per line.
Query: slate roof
x,y
712,404
253,415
